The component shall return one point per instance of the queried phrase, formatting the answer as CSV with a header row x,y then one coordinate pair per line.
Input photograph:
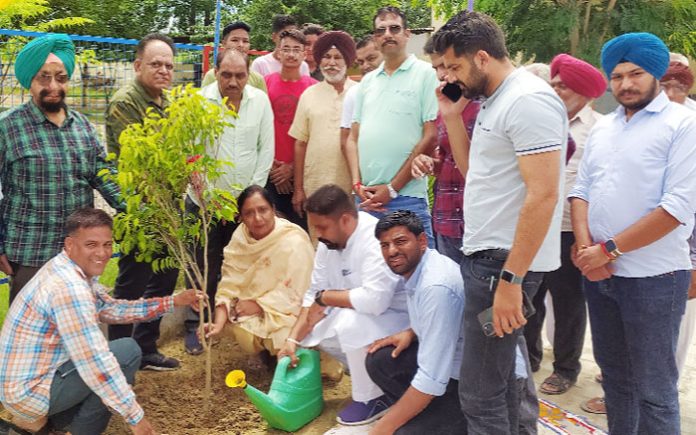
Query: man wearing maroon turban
x,y
317,123
577,83
677,82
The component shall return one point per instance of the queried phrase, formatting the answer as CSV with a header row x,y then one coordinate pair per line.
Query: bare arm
x,y
540,174
299,197
350,151
336,298
412,403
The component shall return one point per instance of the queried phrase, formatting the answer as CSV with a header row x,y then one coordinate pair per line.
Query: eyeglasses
x,y
157,65
394,29
46,79
292,50
678,87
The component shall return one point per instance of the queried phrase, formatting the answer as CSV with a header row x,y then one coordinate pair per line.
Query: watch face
x,y
610,245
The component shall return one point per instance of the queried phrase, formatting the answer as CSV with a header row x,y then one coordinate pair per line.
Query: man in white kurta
x,y
353,300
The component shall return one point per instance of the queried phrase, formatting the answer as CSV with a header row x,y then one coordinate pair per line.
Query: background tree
x,y
544,28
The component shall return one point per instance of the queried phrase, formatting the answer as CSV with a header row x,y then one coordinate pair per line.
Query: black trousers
x,y
22,275
443,416
283,205
219,236
136,280
570,316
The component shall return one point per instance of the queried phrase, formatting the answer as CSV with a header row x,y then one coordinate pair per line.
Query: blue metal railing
x,y
104,66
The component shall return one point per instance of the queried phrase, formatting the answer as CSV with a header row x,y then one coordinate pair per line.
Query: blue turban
x,y
644,49
33,56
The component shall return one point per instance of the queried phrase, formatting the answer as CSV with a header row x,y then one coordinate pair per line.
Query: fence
x,y
103,65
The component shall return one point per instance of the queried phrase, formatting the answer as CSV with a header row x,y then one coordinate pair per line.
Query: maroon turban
x,y
679,72
579,76
341,40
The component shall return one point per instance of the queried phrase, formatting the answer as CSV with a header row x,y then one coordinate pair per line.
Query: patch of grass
x,y
4,299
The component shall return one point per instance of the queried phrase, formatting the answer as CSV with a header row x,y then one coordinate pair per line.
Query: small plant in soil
x,y
161,160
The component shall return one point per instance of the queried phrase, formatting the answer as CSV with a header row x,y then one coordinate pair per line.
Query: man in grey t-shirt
x,y
512,207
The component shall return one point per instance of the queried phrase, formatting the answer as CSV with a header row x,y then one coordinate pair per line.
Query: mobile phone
x,y
485,317
452,91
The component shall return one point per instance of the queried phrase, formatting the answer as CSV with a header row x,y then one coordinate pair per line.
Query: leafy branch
x,y
160,160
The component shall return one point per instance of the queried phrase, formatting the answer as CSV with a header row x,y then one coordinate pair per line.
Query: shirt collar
x,y
67,261
405,65
504,84
657,105
38,117
212,92
145,96
410,284
584,115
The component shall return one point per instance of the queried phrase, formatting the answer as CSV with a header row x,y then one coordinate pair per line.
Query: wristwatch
x,y
317,298
510,277
611,247
392,192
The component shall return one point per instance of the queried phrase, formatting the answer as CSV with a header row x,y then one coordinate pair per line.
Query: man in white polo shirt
x,y
512,206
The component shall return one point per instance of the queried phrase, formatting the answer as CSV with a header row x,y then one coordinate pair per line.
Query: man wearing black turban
x,y
50,156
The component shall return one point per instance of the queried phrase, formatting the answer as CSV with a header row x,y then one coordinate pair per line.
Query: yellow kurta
x,y
318,122
274,272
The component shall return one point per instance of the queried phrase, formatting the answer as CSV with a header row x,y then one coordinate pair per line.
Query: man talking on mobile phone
x,y
512,208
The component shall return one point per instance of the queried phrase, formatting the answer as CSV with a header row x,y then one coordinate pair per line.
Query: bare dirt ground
x,y
174,403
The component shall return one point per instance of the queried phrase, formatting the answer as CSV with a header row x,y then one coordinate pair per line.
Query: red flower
x,y
193,159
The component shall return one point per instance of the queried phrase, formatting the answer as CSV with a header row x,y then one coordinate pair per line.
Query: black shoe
x,y
157,361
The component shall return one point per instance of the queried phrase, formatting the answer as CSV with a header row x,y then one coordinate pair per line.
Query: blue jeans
x,y
417,205
450,246
488,388
74,406
635,326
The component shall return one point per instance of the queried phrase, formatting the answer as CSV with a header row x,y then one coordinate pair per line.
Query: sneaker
x,y
357,413
157,361
192,344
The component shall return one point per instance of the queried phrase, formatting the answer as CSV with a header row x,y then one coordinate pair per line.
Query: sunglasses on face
x,y
394,29
46,79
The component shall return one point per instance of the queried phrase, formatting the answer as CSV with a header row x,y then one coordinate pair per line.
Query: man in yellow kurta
x,y
316,127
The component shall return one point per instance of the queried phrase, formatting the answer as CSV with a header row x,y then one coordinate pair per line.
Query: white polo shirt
x,y
523,116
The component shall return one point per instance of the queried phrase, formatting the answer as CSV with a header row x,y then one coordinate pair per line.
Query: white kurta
x,y
378,299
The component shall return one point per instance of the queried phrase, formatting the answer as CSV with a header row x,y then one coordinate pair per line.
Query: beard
x,y
477,84
333,77
333,246
51,107
642,102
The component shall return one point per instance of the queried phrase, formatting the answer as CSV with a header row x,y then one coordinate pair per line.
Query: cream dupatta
x,y
275,272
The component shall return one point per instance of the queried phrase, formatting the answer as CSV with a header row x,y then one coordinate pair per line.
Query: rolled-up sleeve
x,y
679,197
438,332
375,294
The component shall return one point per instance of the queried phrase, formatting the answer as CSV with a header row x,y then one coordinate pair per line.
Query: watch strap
x,y
392,192
510,277
317,298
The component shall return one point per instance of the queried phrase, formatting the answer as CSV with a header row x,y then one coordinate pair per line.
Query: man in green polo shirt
x,y
393,121
154,68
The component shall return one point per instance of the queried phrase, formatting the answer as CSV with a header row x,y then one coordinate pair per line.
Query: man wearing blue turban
x,y
632,210
49,159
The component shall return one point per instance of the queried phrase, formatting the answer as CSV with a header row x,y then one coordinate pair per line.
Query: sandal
x,y
556,384
595,405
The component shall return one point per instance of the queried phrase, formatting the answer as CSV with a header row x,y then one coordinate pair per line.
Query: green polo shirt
x,y
255,79
128,105
391,111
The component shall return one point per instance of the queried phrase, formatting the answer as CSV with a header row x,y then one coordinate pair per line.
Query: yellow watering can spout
x,y
236,379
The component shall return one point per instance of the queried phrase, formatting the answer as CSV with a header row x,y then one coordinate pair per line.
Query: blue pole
x,y
217,30
471,5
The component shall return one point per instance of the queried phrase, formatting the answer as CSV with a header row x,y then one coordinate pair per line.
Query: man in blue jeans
x,y
393,122
632,210
512,207
56,367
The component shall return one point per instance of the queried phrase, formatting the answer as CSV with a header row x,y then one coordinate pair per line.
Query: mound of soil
x,y
174,401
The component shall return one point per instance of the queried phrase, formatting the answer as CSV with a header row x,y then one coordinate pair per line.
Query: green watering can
x,y
295,397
